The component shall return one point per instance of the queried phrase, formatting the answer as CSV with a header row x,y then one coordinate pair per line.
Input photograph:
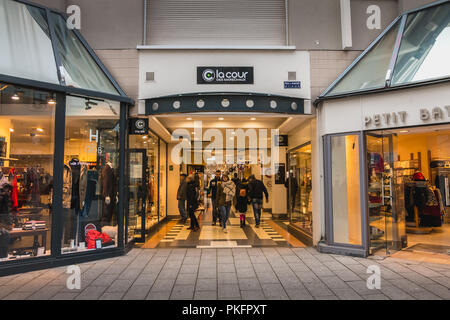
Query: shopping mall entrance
x,y
409,194
156,167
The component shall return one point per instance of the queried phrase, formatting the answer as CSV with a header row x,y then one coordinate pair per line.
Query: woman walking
x,y
192,202
225,192
242,200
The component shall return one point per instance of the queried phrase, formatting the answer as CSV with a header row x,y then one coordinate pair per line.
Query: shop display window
x,y
346,189
299,186
91,174
26,171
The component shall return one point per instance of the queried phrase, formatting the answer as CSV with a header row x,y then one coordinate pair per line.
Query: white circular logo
x,y
208,75
140,124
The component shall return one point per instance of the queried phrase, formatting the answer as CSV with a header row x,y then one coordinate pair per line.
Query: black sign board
x,y
280,173
281,140
138,126
224,75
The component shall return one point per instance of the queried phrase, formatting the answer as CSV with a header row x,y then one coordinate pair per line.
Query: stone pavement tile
x,y
417,278
224,252
168,273
186,278
157,260
317,289
262,267
254,252
378,296
334,265
284,271
152,268
146,279
33,285
207,273
252,295
111,296
396,267
249,284
229,267
228,291
7,279
189,268
298,294
227,278
395,293
163,252
267,277
258,259
158,295
306,276
193,252
163,285
361,287
206,285
359,269
324,257
291,282
104,280
205,295
137,292
244,263
347,294
424,271
92,274
330,297
438,290
191,260
64,296
225,259
115,269
45,293
312,263
346,275
245,273
346,260
284,251
17,295
299,266
389,274
130,274
322,271
334,282
91,293
445,281
274,291
119,286
182,292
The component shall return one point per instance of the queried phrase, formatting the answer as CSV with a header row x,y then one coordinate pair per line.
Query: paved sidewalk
x,y
255,273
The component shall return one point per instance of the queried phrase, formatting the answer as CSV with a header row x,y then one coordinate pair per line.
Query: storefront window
x,y
91,175
24,33
26,171
346,189
299,185
162,180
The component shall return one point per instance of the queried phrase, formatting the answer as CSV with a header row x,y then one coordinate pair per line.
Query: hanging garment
x,y
14,194
376,161
151,191
93,235
108,190
92,178
75,167
433,209
67,187
33,180
83,184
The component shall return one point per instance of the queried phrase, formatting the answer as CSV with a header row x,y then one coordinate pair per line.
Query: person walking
x,y
192,202
256,188
242,200
181,197
212,190
236,179
225,193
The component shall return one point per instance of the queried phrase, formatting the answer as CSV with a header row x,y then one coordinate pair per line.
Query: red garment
x,y
418,176
14,194
93,235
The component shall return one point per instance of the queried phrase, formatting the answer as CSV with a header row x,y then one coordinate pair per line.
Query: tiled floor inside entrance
x,y
271,233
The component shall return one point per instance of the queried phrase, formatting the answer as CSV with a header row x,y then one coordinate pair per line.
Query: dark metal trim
x,y
51,27
397,44
122,150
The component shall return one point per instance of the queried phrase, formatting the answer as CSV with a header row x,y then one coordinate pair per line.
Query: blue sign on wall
x,y
292,85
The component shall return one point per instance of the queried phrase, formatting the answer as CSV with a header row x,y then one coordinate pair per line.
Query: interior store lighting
x,y
15,97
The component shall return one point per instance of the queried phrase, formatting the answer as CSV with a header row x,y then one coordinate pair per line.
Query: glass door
x,y
137,159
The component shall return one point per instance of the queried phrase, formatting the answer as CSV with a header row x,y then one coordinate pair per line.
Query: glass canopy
x,y
29,50
423,41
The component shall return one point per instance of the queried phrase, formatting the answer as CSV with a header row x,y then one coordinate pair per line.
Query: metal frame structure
x,y
56,258
387,86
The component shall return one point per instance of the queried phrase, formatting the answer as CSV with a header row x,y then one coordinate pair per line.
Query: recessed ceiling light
x,y
144,137
188,118
252,119
220,118
403,131
40,129
11,130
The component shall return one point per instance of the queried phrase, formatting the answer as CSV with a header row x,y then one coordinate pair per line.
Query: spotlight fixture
x,y
89,104
189,118
11,130
221,118
253,119
40,129
51,101
15,97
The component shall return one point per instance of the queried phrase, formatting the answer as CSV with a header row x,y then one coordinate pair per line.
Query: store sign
x,y
426,115
138,126
224,75
281,140
292,85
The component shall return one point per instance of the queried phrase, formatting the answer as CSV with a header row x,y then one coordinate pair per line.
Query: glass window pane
x,y
91,174
346,189
425,46
162,180
80,69
370,71
26,49
26,172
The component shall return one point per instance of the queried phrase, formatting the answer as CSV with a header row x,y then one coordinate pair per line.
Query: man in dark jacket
x,y
212,190
181,197
256,188
235,179
192,202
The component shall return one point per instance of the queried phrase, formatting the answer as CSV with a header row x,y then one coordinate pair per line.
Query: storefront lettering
x,y
435,114
386,118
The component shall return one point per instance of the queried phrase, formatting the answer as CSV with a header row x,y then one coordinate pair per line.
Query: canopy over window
x,y
36,44
414,48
